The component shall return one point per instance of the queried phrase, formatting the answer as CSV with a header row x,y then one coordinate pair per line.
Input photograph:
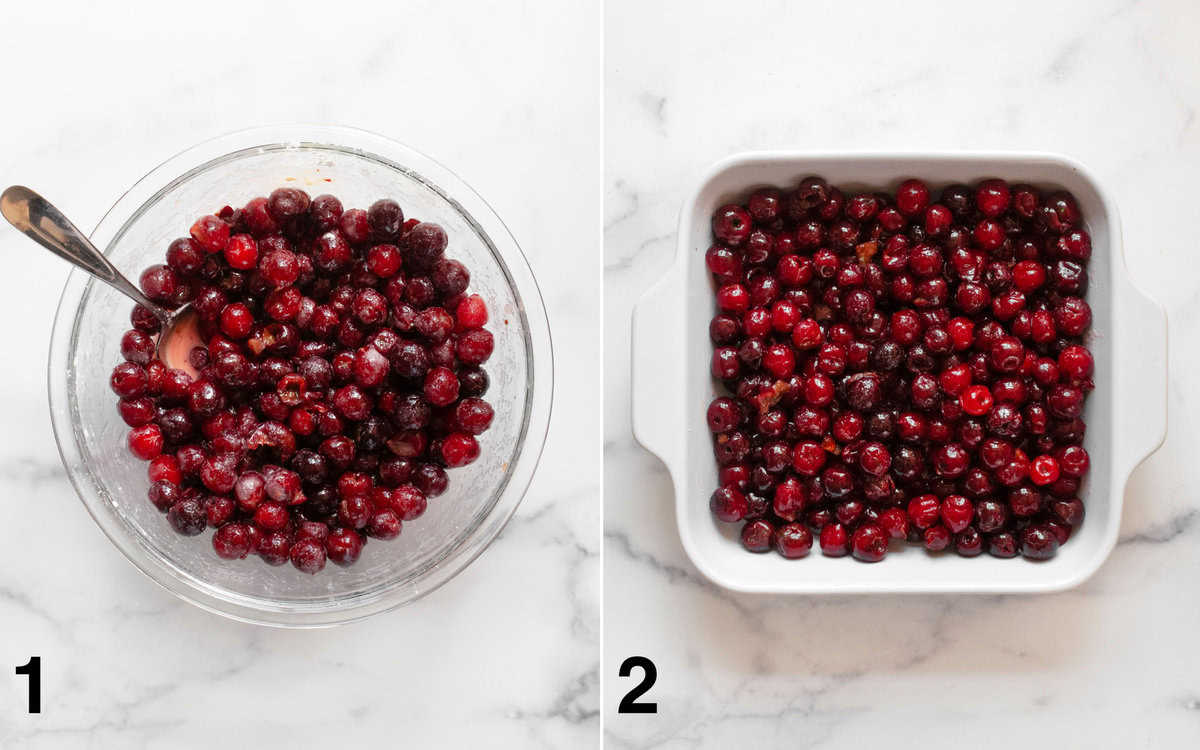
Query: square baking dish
x,y
1126,414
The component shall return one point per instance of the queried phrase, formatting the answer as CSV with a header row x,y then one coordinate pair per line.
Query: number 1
x,y
33,670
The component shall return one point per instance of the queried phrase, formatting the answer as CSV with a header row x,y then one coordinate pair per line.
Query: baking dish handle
x,y
1141,375
658,351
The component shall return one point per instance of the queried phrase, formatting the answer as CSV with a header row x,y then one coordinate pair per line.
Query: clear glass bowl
x,y
359,168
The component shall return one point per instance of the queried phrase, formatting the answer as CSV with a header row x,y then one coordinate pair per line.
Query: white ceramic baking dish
x,y
1126,414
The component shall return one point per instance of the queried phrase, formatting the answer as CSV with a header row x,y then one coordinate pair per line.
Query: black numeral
x,y
33,670
629,704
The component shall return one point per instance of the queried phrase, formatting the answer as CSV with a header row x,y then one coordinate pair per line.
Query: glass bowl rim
x,y
508,256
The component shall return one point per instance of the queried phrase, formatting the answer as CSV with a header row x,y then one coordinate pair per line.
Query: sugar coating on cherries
x,y
900,366
340,376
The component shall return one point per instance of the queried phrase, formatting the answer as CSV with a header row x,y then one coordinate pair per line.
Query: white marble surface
x,y
1110,664
505,655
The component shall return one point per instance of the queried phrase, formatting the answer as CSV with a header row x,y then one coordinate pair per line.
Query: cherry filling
x,y
897,367
340,376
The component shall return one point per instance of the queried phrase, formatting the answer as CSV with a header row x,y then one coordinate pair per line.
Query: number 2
x,y
629,704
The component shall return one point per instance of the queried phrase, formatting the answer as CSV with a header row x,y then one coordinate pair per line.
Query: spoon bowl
x,y
41,221
180,334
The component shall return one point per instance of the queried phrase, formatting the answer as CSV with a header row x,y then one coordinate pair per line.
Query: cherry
x,y
1025,200
728,504
1044,470
241,252
211,234
968,542
733,298
146,442
1038,542
165,468
976,400
1003,545
280,267
473,415
808,458
764,205
286,203
912,196
992,198
956,512
1072,316
835,541
319,323
274,547
232,541
758,536
1068,511
989,235
1076,364
187,516
459,449
1075,245
409,502
164,494
895,522
936,538
793,540
385,524
308,555
343,546
1073,460
932,364
326,211
924,511
869,543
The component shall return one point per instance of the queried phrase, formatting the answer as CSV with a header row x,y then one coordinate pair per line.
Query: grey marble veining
x,y
1109,664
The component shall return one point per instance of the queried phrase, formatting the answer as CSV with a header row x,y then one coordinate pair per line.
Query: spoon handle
x,y
37,218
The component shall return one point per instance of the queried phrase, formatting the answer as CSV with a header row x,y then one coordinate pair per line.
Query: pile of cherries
x,y
339,376
901,368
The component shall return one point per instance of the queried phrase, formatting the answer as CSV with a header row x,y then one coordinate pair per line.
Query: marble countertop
x,y
504,655
1110,664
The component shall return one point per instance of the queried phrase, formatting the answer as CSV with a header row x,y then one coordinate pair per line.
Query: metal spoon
x,y
46,225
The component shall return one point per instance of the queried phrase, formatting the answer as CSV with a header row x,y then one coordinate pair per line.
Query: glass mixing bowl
x,y
358,168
